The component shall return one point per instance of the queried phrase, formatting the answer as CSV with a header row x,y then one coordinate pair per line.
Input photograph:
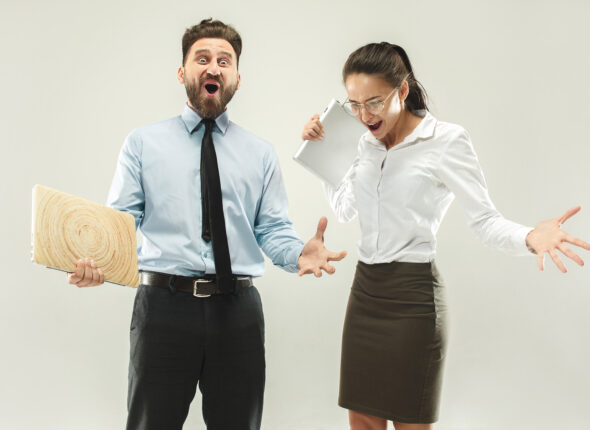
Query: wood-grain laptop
x,y
66,228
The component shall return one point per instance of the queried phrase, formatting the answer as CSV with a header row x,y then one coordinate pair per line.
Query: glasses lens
x,y
375,107
350,108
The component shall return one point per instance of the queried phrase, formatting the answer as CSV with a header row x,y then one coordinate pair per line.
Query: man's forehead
x,y
213,45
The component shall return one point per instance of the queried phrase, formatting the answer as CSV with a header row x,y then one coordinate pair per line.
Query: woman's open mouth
x,y
375,126
211,87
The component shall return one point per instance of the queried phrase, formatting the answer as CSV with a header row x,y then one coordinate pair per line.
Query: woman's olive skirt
x,y
394,340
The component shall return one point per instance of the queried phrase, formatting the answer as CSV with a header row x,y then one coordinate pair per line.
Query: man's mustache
x,y
214,77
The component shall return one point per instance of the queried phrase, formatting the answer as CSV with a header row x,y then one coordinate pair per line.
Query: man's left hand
x,y
314,257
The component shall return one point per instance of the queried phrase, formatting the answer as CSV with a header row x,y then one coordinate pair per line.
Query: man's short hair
x,y
210,28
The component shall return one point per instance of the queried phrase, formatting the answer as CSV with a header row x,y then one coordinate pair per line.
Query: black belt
x,y
199,287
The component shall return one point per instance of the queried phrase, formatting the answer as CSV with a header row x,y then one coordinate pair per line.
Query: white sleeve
x,y
460,171
342,199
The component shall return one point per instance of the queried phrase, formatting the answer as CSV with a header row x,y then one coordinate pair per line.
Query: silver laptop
x,y
331,157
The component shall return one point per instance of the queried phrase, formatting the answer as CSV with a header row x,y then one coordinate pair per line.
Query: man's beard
x,y
209,107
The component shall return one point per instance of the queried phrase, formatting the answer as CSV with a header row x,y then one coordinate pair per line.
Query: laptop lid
x,y
66,228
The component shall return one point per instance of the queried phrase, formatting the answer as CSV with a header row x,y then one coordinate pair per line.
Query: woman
x,y
409,168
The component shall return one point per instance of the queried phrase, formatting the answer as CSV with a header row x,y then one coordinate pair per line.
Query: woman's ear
x,y
404,90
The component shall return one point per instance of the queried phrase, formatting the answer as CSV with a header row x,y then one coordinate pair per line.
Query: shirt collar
x,y
424,130
192,120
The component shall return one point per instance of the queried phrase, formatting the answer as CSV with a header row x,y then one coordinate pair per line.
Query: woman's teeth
x,y
374,126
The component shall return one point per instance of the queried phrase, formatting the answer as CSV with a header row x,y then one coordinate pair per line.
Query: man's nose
x,y
213,68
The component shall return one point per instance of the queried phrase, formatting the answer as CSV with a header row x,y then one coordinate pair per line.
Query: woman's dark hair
x,y
211,28
391,63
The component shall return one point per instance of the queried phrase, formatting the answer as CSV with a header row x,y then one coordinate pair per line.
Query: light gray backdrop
x,y
77,76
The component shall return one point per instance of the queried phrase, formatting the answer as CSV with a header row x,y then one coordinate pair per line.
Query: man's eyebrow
x,y
226,54
202,51
208,52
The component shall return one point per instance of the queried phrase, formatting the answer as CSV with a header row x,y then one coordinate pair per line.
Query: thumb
x,y
569,213
322,224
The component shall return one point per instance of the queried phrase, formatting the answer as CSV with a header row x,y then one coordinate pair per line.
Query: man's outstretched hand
x,y
314,257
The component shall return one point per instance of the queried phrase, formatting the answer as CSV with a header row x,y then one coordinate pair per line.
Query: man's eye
x,y
374,103
224,63
202,60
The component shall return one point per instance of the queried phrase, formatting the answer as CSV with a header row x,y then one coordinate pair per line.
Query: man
x,y
197,318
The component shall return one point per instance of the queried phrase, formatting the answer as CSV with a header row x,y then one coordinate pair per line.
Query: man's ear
x,y
239,81
180,75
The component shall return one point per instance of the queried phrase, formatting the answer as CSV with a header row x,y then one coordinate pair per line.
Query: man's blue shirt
x,y
157,180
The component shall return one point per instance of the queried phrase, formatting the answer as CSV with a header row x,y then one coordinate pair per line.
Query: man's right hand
x,y
313,130
87,274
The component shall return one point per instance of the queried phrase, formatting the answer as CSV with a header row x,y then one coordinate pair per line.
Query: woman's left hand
x,y
548,237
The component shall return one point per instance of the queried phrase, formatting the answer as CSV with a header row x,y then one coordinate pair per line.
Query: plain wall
x,y
78,76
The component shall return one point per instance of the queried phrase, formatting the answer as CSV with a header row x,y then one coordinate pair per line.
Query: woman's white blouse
x,y
402,194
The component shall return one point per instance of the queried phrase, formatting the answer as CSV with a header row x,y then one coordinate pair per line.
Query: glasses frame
x,y
373,107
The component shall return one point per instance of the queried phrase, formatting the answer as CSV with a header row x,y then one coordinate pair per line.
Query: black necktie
x,y
213,219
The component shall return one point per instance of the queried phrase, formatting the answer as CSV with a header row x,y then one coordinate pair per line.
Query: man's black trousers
x,y
179,341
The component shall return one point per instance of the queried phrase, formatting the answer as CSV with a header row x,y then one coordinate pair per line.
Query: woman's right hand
x,y
313,130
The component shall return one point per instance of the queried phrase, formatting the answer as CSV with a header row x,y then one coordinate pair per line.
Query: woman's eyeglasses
x,y
373,107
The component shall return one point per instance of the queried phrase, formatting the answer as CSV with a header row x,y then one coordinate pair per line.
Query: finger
x,y
315,132
88,273
95,274
336,256
570,254
569,213
80,267
101,276
578,242
311,135
317,125
304,271
540,258
72,278
328,268
317,272
77,274
557,260
87,276
322,224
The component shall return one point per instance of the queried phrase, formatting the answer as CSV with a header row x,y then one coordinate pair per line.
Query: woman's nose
x,y
365,116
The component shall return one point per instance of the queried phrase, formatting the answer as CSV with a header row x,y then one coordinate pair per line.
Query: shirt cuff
x,y
520,246
292,258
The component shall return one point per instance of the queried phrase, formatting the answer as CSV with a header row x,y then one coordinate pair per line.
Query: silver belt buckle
x,y
196,287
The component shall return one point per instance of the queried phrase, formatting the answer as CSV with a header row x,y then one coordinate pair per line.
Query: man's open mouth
x,y
212,87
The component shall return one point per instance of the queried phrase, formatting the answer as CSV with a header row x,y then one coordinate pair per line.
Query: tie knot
x,y
208,123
